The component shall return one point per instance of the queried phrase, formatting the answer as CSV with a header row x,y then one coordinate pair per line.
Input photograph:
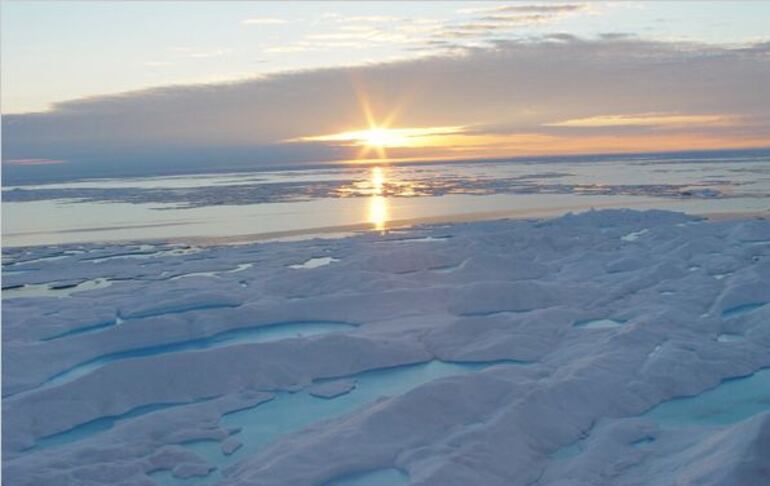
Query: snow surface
x,y
549,352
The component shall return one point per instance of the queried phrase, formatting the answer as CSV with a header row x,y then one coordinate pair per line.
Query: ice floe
x,y
605,348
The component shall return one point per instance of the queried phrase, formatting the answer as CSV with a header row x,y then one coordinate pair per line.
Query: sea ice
x,y
557,351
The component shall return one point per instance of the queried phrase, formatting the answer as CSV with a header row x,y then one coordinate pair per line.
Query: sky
x,y
143,87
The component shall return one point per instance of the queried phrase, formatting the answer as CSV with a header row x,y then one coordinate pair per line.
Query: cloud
x,y
368,19
28,162
494,20
505,20
158,64
263,21
290,49
209,54
369,34
377,30
656,120
195,53
515,97
420,34
557,8
545,9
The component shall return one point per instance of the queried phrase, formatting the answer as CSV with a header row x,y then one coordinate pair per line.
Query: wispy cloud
x,y
371,35
290,49
492,21
544,9
507,19
417,36
367,18
263,21
182,54
158,64
31,162
207,54
656,120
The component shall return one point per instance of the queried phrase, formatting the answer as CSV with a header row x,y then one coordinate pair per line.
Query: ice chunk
x,y
314,263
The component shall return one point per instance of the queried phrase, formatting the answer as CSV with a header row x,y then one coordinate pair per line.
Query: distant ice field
x,y
339,200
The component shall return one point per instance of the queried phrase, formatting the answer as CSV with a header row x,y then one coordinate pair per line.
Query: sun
x,y
378,139
383,137
377,135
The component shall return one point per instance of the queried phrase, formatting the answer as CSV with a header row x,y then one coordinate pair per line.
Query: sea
x,y
321,200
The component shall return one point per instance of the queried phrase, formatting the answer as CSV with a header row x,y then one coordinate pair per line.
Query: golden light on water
x,y
377,208
377,180
378,212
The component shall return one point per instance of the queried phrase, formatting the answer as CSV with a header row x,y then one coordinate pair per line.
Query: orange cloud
x,y
471,146
658,120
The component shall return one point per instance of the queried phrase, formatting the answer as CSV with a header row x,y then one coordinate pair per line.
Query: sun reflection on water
x,y
378,210
377,180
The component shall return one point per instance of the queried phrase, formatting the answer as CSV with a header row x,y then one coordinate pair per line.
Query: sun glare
x,y
383,137
379,138
379,133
